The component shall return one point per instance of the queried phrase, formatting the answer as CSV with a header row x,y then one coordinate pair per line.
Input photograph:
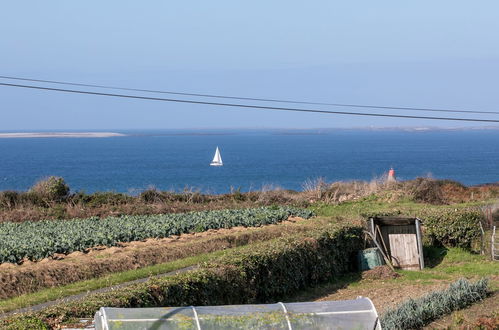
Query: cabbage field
x,y
41,239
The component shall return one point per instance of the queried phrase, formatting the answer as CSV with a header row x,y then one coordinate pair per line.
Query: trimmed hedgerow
x,y
416,313
42,239
255,274
290,264
453,227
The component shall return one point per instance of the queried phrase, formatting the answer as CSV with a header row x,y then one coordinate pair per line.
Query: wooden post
x,y
387,261
420,243
372,227
482,245
492,247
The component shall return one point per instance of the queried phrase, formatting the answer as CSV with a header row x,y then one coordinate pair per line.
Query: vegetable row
x,y
41,239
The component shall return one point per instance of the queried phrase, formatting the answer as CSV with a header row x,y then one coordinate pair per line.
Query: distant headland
x,y
59,135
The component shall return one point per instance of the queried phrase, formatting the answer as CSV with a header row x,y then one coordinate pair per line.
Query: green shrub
x,y
255,274
416,313
452,227
290,264
98,199
51,189
31,323
41,239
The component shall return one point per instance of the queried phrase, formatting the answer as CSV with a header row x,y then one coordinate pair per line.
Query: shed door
x,y
404,251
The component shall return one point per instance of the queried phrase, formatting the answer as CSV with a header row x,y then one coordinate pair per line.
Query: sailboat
x,y
217,159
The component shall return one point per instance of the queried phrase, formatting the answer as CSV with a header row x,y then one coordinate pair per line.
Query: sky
x,y
440,54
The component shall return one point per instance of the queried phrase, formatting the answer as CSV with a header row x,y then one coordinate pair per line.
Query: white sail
x,y
217,159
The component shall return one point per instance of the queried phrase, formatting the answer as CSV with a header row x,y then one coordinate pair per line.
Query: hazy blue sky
x,y
418,53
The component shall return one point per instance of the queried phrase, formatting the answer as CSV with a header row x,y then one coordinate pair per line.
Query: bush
x,y
151,196
25,323
254,274
99,199
457,184
495,216
51,189
416,313
453,227
9,199
426,190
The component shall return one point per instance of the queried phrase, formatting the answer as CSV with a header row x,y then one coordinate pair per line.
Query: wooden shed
x,y
400,239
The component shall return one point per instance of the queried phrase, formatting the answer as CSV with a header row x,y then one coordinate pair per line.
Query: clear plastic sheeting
x,y
346,314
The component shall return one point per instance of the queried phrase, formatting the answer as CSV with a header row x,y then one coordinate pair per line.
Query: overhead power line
x,y
364,106
248,106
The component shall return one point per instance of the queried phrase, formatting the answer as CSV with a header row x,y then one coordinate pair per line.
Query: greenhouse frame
x,y
359,313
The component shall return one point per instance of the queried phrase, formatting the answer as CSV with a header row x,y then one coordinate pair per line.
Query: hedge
x,y
258,273
416,313
452,227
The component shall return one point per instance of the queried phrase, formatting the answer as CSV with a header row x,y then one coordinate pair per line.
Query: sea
x,y
179,160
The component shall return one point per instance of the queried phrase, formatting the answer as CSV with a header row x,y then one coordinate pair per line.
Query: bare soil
x,y
383,293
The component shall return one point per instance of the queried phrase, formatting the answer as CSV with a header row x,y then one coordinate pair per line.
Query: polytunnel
x,y
346,314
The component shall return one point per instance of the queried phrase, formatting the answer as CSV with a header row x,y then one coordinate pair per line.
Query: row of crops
x,y
41,239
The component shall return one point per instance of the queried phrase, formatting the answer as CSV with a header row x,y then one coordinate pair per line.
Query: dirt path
x,y
384,295
44,305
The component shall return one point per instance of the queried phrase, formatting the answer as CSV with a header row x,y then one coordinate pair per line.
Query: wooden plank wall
x,y
404,251
387,230
401,243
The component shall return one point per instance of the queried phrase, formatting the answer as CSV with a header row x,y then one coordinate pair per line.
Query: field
x,y
287,255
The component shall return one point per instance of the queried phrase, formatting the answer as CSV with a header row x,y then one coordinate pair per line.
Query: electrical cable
x,y
234,105
251,98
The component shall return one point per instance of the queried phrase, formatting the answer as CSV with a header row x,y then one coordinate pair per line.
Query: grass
x,y
51,294
460,262
456,263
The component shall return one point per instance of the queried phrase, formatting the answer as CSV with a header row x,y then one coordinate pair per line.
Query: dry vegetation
x,y
50,198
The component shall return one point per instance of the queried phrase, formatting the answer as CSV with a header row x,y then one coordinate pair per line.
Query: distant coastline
x,y
60,135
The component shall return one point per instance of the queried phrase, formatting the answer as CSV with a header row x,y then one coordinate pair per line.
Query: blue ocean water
x,y
173,160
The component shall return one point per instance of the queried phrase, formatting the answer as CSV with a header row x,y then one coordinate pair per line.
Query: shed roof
x,y
394,221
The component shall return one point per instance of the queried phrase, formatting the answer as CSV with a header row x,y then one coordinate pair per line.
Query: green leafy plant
x,y
452,227
41,239
416,313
